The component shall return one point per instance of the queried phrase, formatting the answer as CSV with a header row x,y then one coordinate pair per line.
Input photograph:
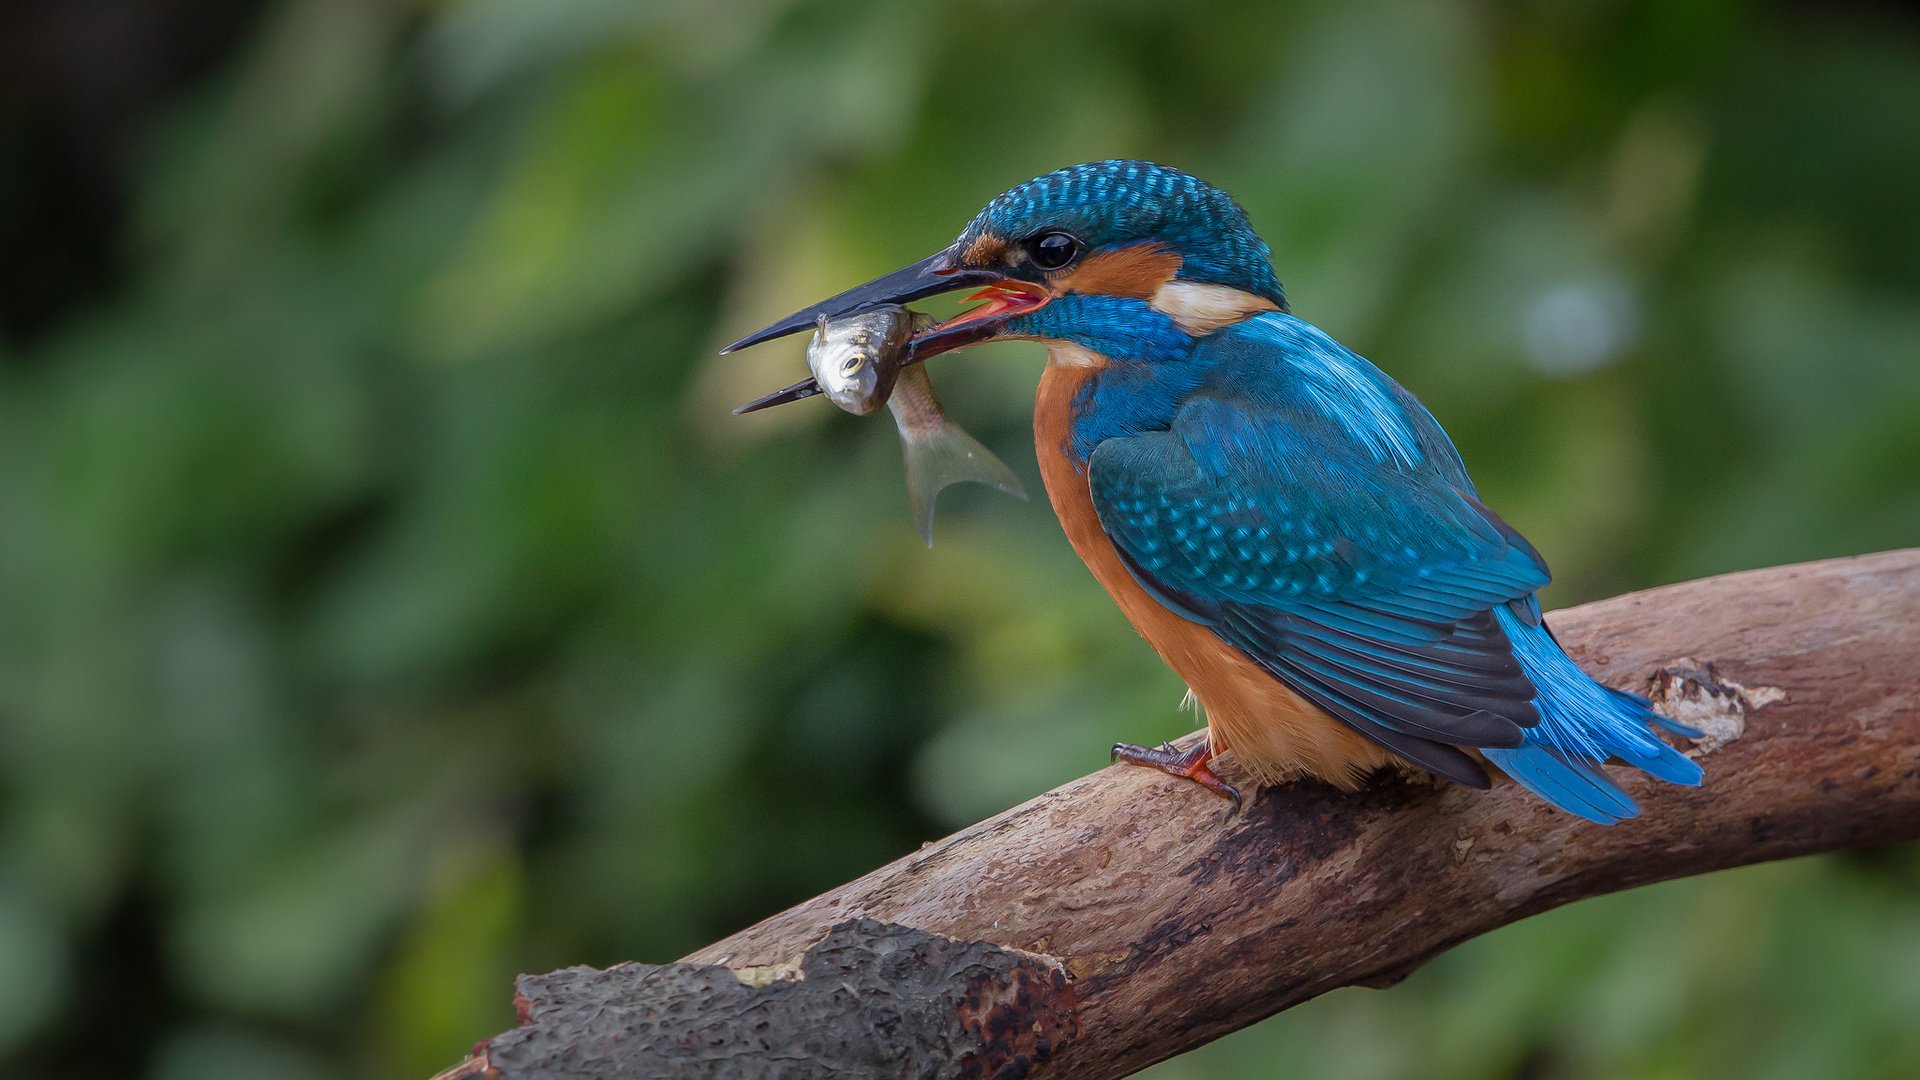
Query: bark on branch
x,y
1124,918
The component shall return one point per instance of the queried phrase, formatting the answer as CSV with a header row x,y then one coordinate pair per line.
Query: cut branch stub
x,y
869,999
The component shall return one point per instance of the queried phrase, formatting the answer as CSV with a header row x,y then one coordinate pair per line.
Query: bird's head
x,y
1089,254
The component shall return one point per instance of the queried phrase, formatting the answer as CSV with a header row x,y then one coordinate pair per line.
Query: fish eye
x,y
1053,250
853,362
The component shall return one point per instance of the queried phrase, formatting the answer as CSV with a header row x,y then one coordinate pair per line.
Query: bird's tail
x,y
1581,725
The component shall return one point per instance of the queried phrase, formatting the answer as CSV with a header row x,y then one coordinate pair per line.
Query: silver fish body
x,y
859,363
856,359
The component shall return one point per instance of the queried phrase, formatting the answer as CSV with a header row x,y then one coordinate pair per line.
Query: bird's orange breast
x,y
1272,731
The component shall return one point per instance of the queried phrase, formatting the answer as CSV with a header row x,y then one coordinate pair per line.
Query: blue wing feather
x,y
1313,515
1391,634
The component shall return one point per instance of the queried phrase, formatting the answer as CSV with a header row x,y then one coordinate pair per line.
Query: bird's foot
x,y
1190,764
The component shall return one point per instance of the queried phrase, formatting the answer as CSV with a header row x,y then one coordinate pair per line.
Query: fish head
x,y
856,359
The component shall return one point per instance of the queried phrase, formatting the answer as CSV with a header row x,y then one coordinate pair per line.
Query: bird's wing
x,y
1367,590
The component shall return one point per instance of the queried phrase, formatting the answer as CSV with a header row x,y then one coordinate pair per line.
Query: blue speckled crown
x,y
1108,203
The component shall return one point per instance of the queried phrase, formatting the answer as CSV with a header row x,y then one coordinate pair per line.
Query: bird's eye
x,y
1053,250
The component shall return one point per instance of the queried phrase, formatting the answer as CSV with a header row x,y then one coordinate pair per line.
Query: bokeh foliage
x,y
393,606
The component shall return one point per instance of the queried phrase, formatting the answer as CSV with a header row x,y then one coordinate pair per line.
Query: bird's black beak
x,y
937,273
931,276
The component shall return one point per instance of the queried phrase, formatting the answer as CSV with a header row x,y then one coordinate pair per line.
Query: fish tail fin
x,y
941,455
1583,724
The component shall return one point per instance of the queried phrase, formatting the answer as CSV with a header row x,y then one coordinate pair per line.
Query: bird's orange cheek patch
x,y
1136,271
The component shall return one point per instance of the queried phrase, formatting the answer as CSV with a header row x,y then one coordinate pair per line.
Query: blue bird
x,y
1288,527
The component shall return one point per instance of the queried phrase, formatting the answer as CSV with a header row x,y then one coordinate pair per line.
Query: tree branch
x,y
1124,918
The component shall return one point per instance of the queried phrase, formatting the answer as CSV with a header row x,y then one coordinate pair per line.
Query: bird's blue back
x,y
1277,487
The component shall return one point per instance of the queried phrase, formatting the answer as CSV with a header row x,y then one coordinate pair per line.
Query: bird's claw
x,y
1189,764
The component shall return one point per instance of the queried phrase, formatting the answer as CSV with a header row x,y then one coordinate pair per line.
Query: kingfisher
x,y
1287,526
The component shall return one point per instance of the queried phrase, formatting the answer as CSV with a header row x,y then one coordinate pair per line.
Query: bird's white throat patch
x,y
1067,354
1200,309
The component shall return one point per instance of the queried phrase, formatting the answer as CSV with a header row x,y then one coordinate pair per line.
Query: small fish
x,y
856,361
859,363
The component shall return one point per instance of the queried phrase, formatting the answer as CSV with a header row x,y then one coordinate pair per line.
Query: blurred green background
x,y
391,604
